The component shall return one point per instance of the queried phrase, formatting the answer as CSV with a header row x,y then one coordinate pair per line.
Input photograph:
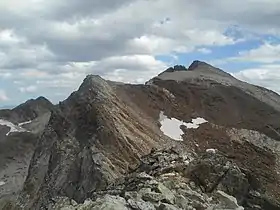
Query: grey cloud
x,y
101,32
253,14
63,10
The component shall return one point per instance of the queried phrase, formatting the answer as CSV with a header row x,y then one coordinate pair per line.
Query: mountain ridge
x,y
102,132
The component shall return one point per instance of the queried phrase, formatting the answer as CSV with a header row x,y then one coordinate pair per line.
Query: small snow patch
x,y
199,121
213,151
13,127
2,183
196,122
172,127
169,174
24,123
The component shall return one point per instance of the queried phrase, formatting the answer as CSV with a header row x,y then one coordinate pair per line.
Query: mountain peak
x,y
42,98
93,81
95,87
199,64
40,101
205,68
176,68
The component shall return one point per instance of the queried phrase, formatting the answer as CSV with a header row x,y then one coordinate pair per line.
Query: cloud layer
x,y
48,47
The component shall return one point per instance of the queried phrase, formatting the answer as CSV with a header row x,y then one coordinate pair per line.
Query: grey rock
x,y
110,203
165,206
140,204
215,171
169,196
153,197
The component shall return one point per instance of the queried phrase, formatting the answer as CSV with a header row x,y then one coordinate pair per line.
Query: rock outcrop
x,y
168,180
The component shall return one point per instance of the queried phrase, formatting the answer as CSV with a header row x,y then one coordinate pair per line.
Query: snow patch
x,y
13,127
213,151
24,123
172,127
2,183
196,122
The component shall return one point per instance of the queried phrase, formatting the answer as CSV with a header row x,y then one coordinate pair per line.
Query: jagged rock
x,y
182,202
139,204
176,68
227,201
168,195
110,203
163,190
107,203
165,206
152,197
214,171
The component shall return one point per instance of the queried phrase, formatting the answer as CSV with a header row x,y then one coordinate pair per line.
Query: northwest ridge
x,y
190,138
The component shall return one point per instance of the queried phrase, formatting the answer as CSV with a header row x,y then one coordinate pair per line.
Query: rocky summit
x,y
190,138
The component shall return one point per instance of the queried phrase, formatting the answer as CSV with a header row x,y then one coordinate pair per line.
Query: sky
x,y
47,47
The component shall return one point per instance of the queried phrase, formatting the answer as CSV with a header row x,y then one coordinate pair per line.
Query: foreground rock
x,y
165,180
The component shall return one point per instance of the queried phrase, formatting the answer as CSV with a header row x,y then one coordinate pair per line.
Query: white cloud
x,y
204,50
125,68
267,75
265,53
28,89
5,75
33,74
3,96
8,37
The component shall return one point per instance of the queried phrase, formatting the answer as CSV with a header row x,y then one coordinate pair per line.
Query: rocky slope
x,y
19,130
166,180
107,142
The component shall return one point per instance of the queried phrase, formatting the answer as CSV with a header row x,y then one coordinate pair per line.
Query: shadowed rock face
x,y
16,148
101,131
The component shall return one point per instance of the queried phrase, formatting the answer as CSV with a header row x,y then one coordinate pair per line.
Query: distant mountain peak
x,y
206,68
41,98
199,64
42,101
93,82
176,68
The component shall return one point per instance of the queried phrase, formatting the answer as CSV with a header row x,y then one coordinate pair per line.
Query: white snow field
x,y
13,127
171,127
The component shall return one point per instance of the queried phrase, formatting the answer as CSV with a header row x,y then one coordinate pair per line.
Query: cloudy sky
x,y
47,47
